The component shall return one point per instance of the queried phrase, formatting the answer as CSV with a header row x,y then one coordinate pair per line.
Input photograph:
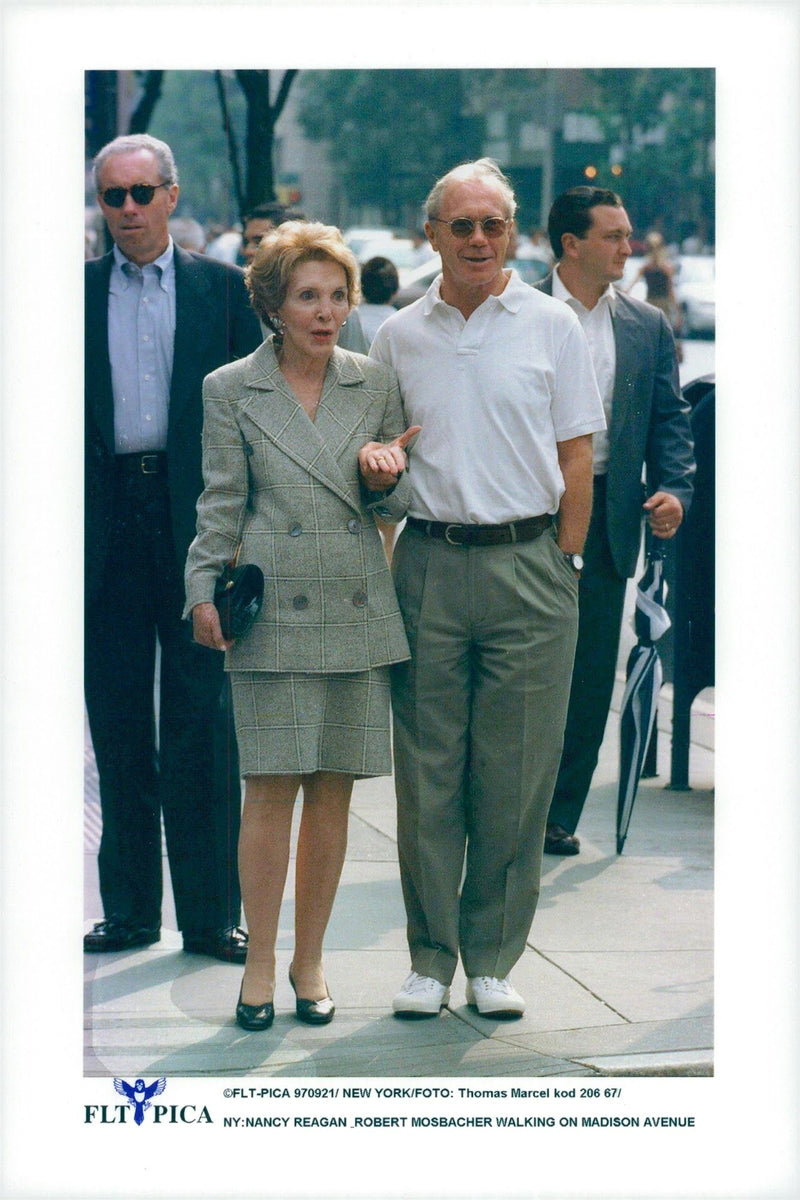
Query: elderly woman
x,y
293,437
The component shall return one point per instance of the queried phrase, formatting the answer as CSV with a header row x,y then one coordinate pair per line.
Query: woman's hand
x,y
207,629
381,465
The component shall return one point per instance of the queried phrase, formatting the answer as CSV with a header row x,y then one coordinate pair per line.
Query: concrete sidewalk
x,y
618,973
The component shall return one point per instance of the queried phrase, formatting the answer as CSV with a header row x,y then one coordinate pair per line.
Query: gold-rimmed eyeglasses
x,y
462,227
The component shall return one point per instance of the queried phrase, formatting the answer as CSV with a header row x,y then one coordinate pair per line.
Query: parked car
x,y
695,293
418,280
357,237
399,250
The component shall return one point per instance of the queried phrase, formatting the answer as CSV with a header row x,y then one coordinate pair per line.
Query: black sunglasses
x,y
462,227
142,193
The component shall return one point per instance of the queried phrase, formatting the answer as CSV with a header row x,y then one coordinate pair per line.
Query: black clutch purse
x,y
238,596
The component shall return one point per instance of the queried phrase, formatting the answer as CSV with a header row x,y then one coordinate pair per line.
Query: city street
x,y
618,967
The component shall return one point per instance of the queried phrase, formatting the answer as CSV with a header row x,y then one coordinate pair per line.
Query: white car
x,y
400,250
693,283
357,237
695,293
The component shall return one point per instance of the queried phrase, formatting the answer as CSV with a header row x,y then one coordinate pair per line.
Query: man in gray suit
x,y
158,320
636,364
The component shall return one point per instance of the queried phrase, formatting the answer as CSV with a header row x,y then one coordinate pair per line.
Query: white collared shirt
x,y
596,324
494,394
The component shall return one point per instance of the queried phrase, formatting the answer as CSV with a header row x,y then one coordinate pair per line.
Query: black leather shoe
x,y
228,945
313,1012
117,934
558,841
254,1017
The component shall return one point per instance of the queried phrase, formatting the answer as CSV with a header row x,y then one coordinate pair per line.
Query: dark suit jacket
x,y
649,424
214,324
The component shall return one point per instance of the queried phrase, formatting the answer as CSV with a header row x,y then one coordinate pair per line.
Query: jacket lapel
x,y
97,365
626,331
313,445
193,309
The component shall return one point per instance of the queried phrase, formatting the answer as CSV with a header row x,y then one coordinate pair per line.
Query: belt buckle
x,y
149,459
449,539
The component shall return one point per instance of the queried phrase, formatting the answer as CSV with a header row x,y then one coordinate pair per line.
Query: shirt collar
x,y
561,292
164,263
511,296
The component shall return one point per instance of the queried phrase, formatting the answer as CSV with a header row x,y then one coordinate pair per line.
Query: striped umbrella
x,y
643,676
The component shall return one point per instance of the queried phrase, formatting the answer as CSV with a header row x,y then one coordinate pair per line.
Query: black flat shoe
x,y
254,1017
312,1012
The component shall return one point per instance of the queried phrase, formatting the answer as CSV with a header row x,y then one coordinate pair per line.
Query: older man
x,y
635,360
499,491
158,320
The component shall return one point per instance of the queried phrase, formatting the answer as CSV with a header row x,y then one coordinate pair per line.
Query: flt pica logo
x,y
139,1098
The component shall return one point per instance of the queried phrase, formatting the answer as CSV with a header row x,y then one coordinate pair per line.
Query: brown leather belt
x,y
153,462
484,535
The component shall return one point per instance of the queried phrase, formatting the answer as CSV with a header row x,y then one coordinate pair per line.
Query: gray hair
x,y
484,169
129,144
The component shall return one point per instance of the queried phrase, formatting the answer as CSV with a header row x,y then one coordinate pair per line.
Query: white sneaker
x,y
494,997
421,996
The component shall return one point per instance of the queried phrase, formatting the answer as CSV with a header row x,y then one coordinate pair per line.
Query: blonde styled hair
x,y
283,249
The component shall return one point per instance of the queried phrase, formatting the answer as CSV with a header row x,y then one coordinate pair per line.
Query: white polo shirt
x,y
494,395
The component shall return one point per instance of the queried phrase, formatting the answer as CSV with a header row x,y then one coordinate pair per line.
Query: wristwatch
x,y
574,560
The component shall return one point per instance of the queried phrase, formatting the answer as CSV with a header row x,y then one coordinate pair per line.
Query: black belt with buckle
x,y
153,463
484,535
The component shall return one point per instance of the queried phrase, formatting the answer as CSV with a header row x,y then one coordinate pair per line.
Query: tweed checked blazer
x,y
289,488
649,424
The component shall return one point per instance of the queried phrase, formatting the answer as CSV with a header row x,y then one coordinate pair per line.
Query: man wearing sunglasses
x,y
498,495
158,320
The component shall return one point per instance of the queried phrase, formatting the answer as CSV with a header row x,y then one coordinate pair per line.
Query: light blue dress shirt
x,y
141,337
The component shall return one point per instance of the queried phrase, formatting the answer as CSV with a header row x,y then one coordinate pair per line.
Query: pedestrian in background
x,y
379,282
257,224
282,435
634,357
500,380
158,320
659,274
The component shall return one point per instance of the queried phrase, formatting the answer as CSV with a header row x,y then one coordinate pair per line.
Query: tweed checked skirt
x,y
293,723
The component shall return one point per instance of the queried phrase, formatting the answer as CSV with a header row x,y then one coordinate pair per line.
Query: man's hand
x,y
666,514
382,465
207,629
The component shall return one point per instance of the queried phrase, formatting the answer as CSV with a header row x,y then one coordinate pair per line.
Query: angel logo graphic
x,y
139,1097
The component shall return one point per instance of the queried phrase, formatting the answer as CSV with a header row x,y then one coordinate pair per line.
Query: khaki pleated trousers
x,y
479,714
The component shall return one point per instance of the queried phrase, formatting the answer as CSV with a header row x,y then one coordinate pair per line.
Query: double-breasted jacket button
x,y
360,599
354,525
300,602
295,531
